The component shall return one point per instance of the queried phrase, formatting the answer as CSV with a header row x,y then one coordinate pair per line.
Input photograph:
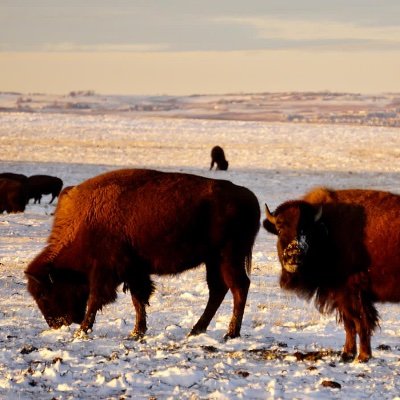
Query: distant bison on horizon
x,y
39,185
218,158
342,248
13,196
124,226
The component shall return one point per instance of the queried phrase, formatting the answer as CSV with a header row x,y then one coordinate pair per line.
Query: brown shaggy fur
x,y
123,226
353,259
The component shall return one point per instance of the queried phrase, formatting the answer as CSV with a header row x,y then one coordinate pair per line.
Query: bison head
x,y
301,234
61,296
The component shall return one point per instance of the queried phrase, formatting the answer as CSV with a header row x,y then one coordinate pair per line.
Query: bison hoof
x,y
138,336
81,334
196,331
363,358
347,357
230,336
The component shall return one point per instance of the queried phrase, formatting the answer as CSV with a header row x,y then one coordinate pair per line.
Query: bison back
x,y
44,184
171,221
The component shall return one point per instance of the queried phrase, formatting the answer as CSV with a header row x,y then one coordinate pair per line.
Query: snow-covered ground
x,y
287,349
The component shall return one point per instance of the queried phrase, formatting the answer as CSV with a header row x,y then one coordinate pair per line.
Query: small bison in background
x,y
123,226
13,196
218,158
39,185
343,247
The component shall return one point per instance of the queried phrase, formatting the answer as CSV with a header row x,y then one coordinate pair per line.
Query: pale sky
x,y
197,47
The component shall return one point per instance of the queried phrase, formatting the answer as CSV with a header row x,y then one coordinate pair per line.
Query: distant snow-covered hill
x,y
308,107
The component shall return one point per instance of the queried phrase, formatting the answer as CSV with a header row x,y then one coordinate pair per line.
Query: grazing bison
x,y
44,184
13,196
218,157
123,226
343,247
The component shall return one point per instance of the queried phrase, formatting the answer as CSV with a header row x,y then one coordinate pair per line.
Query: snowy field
x,y
287,349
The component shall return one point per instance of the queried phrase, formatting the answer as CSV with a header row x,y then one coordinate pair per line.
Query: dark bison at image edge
x,y
39,185
16,177
343,247
218,158
124,226
13,196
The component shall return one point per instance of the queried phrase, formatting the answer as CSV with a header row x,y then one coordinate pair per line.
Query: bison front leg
x,y
100,294
141,288
90,316
140,323
361,319
368,322
350,346
365,347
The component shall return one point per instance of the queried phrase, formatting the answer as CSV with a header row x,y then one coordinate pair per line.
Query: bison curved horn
x,y
270,217
39,279
318,214
32,277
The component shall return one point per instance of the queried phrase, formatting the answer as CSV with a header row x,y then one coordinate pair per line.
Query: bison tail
x,y
248,261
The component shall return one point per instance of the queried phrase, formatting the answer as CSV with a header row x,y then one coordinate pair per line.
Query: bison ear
x,y
270,221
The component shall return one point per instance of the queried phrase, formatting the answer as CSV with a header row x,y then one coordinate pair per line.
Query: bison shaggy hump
x,y
123,226
343,247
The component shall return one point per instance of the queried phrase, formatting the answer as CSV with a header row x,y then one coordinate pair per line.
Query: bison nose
x,y
294,253
54,324
58,322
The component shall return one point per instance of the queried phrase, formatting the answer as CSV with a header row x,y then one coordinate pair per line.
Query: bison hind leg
x,y
228,271
236,278
217,291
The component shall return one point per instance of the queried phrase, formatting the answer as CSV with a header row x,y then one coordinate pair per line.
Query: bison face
x,y
297,226
61,298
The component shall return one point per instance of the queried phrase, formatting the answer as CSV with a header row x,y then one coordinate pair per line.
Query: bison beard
x,y
351,260
123,226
